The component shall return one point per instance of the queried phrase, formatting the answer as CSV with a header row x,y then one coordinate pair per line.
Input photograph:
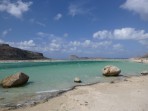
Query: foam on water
x,y
40,92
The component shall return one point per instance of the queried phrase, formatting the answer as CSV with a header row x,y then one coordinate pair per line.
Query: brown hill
x,y
10,53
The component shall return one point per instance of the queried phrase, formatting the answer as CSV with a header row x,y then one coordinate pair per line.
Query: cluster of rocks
x,y
115,71
15,80
107,71
110,70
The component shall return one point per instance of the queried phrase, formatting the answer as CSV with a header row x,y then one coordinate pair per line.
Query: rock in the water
x,y
15,80
111,71
144,73
77,80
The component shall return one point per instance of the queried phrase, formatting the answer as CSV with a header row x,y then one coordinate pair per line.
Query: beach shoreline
x,y
87,97
139,60
58,60
44,96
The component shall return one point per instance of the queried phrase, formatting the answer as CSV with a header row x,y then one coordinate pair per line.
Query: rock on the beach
x,y
77,80
111,71
144,72
15,80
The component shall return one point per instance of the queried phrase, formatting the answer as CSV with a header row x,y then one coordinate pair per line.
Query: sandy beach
x,y
139,60
127,95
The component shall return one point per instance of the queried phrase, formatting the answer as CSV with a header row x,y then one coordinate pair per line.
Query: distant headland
x,y
11,53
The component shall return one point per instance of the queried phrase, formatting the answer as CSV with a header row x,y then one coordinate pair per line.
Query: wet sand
x,y
127,95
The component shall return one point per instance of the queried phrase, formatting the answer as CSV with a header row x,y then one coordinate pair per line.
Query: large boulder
x,y
111,71
15,80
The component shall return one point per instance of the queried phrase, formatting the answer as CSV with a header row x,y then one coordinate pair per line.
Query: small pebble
x,y
112,82
125,80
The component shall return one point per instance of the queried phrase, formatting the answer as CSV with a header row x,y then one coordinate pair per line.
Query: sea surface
x,y
47,79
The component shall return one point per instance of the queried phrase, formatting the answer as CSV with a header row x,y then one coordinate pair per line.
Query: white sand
x,y
139,60
131,95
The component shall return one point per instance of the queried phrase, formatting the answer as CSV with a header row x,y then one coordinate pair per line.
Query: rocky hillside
x,y
75,57
10,53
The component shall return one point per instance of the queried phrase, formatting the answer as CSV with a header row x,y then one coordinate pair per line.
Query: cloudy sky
x,y
93,28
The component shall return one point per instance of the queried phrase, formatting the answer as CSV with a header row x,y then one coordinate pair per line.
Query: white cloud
x,y
52,45
41,24
30,44
58,16
121,34
102,44
129,33
90,44
65,34
1,41
74,43
75,10
37,22
43,34
14,8
86,43
118,47
80,8
55,45
46,35
102,34
137,6
144,42
5,32
73,48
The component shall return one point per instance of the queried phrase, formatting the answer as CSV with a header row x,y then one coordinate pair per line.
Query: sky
x,y
87,28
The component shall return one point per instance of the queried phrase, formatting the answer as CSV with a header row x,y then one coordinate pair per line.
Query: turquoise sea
x,y
48,78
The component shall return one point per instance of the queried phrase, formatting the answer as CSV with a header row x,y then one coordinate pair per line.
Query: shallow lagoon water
x,y
55,76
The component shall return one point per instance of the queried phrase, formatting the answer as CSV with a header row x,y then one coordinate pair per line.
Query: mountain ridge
x,y
11,53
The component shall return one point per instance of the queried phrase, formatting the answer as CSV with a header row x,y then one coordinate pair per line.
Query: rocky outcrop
x,y
73,57
111,71
77,80
10,53
15,80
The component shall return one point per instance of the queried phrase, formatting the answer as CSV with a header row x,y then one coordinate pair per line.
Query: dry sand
x,y
128,95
